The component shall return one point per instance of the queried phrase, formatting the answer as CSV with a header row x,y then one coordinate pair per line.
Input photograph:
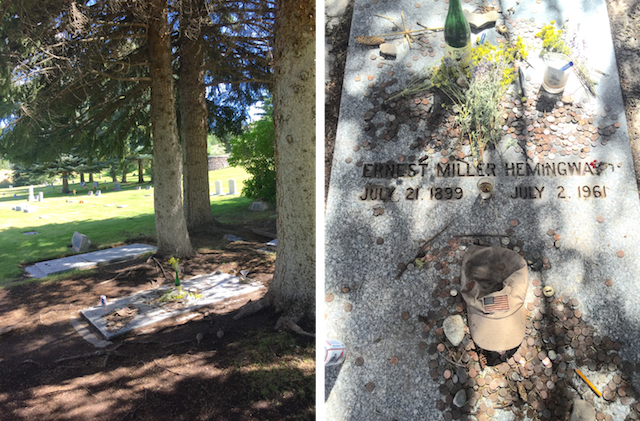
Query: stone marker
x,y
90,193
27,209
148,188
31,195
80,242
403,201
232,238
96,185
218,187
582,411
116,186
40,196
454,329
259,205
98,192
122,206
10,186
83,184
232,186
138,187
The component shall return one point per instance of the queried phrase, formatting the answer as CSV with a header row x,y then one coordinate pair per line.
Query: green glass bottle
x,y
457,35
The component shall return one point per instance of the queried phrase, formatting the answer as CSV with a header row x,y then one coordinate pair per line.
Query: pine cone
x,y
366,40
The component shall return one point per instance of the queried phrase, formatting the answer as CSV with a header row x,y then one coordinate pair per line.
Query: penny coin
x,y
370,386
379,241
359,361
609,282
394,361
329,298
405,315
440,347
514,222
600,219
620,253
348,307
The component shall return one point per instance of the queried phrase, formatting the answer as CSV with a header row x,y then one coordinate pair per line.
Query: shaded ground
x,y
234,370
625,29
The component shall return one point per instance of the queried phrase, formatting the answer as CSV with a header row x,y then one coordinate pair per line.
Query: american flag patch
x,y
495,303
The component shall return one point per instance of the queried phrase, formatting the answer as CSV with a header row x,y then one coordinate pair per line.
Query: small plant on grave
x,y
553,41
178,293
479,115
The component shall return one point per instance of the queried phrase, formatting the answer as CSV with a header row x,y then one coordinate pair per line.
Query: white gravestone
x,y
232,186
98,193
218,187
80,242
31,196
40,196
90,193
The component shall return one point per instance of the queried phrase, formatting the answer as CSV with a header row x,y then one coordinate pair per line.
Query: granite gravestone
x,y
116,186
95,185
32,198
40,196
218,187
404,203
80,242
232,186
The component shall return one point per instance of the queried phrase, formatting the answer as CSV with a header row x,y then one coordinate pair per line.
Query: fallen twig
x,y
424,246
161,268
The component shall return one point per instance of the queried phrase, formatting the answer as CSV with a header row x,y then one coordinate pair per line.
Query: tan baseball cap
x,y
494,285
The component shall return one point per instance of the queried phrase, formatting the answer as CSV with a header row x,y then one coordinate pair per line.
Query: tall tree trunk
x,y
293,286
82,177
65,182
193,118
171,227
140,171
124,176
91,177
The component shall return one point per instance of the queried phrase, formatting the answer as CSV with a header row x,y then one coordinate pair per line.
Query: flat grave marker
x,y
405,203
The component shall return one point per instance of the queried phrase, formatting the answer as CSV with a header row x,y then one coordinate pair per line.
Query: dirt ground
x,y
624,17
210,367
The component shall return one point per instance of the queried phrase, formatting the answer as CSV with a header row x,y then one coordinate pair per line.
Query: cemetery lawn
x,y
239,370
107,225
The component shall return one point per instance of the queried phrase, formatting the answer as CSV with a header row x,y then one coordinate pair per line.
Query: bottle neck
x,y
455,6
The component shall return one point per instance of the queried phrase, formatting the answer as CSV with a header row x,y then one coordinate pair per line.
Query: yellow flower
x,y
174,262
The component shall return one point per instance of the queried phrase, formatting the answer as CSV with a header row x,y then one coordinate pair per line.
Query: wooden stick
x,y
424,246
588,382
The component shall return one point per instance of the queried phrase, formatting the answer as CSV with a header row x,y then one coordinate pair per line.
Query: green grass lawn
x,y
56,219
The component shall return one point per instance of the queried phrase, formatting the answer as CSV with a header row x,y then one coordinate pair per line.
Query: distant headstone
x,y
123,206
232,238
15,195
148,188
90,193
27,209
98,192
10,186
83,184
31,196
80,242
218,187
259,205
18,208
232,186
138,187
116,186
95,185
41,196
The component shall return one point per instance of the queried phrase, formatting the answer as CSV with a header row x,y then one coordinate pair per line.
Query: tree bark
x,y
140,172
193,118
124,176
82,177
91,177
171,227
65,182
293,286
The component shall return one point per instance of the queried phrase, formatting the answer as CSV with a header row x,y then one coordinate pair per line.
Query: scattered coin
x,y
329,298
370,386
359,361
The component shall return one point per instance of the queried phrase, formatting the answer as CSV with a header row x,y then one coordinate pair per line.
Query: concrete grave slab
x,y
88,260
399,183
148,310
117,254
64,264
